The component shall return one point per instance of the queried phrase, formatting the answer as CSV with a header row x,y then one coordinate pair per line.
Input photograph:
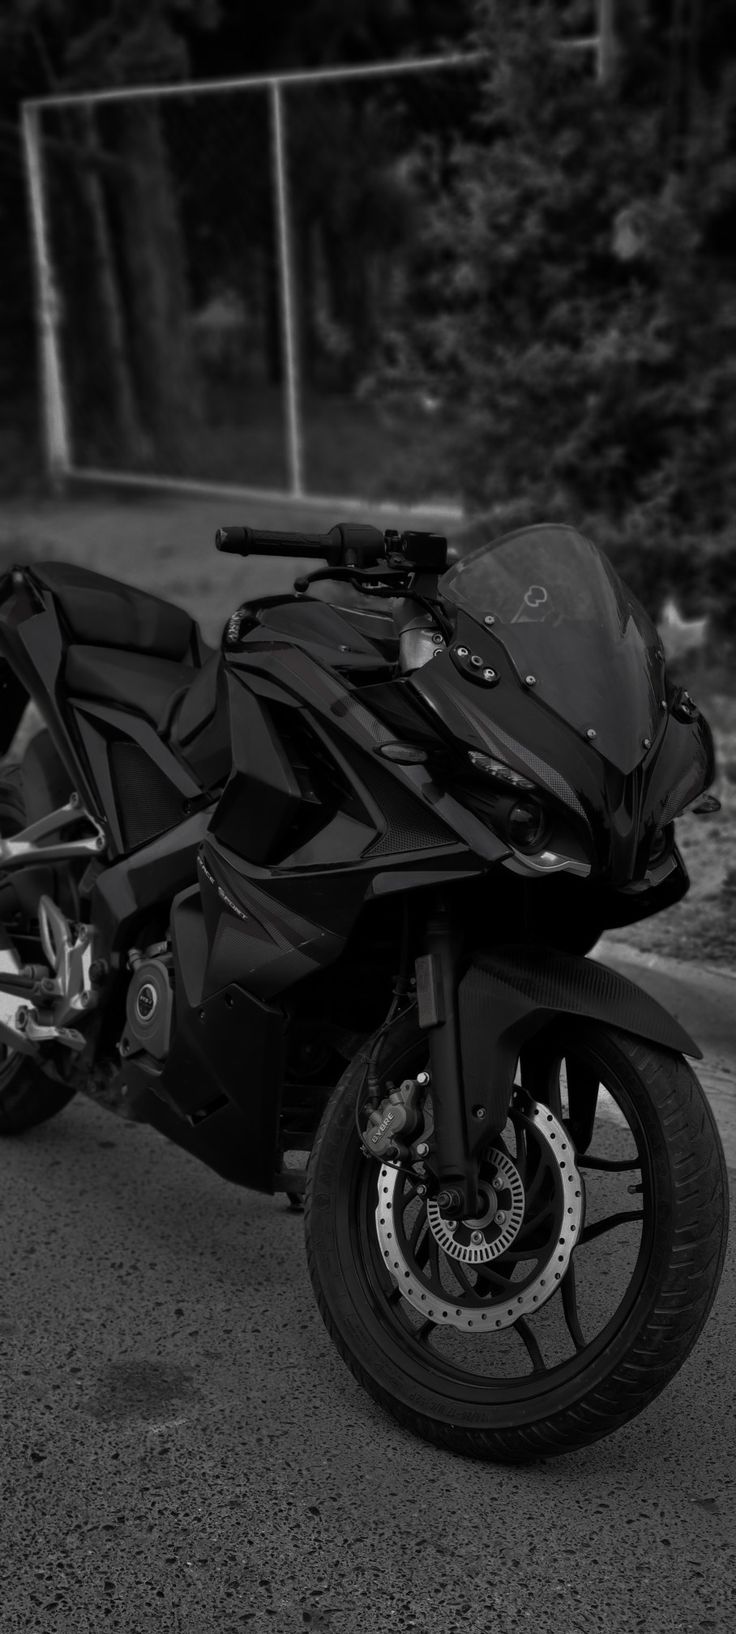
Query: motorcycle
x,y
318,907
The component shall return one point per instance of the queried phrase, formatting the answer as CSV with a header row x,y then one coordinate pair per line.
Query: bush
x,y
581,340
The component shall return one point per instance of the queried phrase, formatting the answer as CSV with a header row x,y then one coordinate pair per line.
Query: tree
x,y
584,316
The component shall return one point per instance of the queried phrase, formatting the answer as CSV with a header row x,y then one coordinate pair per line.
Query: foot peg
x,y
61,994
41,1032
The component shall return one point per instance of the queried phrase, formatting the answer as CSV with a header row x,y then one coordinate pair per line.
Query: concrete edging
x,y
683,968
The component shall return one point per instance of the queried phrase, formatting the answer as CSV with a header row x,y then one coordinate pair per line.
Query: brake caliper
x,y
396,1120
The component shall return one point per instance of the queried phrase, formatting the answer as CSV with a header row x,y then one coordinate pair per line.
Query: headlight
x,y
527,826
523,823
660,845
499,770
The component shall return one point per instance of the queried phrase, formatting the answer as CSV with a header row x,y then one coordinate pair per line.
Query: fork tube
x,y
457,1171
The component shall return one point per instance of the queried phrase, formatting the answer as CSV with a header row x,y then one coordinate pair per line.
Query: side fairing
x,y
258,941
314,824
310,787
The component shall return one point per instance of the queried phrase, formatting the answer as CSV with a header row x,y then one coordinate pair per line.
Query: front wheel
x,y
567,1305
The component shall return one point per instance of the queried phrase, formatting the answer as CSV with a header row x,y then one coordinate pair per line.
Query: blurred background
x,y
281,264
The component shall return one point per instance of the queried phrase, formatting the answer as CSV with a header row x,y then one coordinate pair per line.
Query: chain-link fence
x,y
228,274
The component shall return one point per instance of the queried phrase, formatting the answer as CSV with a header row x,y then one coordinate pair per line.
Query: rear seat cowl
x,y
100,611
145,683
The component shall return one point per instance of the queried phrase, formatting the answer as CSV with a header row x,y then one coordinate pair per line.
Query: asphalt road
x,y
184,1452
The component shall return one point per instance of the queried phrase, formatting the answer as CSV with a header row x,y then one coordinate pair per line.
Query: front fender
x,y
508,995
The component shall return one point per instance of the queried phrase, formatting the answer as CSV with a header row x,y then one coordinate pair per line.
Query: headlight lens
x,y
527,826
499,770
660,845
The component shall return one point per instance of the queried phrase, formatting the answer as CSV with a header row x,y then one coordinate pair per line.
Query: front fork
x,y
470,1101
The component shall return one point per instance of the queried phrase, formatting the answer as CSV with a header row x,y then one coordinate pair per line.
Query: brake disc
x,y
477,1242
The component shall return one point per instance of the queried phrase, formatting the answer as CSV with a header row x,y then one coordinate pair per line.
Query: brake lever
x,y
372,581
306,579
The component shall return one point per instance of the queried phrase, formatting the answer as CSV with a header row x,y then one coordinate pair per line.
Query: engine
x,y
149,1005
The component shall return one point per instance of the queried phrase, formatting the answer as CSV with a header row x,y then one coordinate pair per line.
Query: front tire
x,y
654,1227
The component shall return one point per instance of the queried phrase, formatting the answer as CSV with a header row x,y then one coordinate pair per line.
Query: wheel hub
x,y
474,1243
477,1240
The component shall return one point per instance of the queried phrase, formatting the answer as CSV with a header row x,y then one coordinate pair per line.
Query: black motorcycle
x,y
329,891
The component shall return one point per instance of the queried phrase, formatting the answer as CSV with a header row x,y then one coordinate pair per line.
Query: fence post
x,y
291,362
606,51
48,315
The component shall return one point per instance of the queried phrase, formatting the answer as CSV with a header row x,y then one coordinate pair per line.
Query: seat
x,y
103,612
135,680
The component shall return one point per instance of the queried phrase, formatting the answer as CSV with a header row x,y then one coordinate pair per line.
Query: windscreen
x,y
565,617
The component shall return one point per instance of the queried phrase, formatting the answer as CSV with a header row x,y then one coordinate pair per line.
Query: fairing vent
x,y
327,789
409,826
147,803
323,786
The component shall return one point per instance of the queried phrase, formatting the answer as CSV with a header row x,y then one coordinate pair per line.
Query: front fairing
x,y
612,793
564,618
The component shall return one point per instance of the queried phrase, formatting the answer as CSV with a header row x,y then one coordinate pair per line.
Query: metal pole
x,y
294,445
606,53
48,315
438,510
300,76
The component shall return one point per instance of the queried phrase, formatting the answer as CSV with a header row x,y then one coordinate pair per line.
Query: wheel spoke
x,y
570,1308
554,1094
540,1076
464,1279
521,1326
609,1223
420,1226
433,1258
533,1190
487,1281
424,1332
583,1085
515,1256
425,1329
529,1226
522,1147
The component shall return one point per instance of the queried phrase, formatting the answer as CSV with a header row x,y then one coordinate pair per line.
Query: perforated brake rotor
x,y
479,1242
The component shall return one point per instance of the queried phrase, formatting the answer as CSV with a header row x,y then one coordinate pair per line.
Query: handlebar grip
x,y
258,541
231,541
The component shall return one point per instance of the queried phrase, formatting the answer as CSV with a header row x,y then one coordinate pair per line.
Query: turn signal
x,y
405,754
498,769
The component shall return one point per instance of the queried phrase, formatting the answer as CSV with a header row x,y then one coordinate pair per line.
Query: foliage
x,y
584,314
54,45
319,32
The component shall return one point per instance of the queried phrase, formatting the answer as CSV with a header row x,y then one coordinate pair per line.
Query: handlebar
x,y
349,544
262,542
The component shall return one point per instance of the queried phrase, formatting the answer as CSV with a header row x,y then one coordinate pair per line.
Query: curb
x,y
684,968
